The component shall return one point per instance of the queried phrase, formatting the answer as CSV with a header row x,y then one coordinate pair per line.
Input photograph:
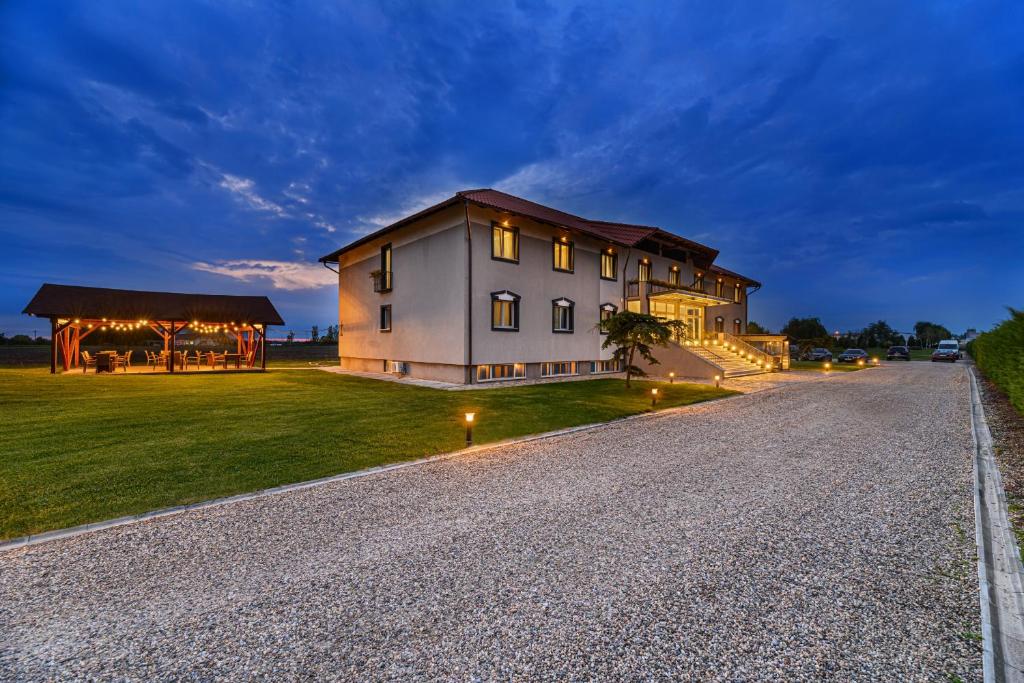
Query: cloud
x,y
243,188
287,275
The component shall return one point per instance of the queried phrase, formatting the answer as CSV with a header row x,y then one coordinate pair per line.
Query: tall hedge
x,y
1000,355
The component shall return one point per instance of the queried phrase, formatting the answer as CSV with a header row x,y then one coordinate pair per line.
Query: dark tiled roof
x,y
619,233
723,271
69,301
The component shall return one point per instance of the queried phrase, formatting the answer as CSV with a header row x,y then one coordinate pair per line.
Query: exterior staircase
x,y
732,363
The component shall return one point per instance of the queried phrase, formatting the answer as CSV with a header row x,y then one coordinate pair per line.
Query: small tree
x,y
755,328
314,334
632,333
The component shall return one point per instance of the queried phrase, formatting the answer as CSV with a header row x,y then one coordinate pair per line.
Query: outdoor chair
x,y
152,359
181,359
218,359
87,360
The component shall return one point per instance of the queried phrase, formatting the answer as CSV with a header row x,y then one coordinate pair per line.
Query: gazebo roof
x,y
71,301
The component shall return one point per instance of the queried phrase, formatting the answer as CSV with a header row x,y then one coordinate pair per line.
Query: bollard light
x,y
671,378
860,362
874,361
654,397
470,417
718,380
828,366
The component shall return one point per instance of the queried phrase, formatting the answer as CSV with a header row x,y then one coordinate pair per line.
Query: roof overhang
x,y
690,298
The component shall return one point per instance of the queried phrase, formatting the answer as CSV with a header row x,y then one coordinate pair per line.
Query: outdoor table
x,y
237,357
105,361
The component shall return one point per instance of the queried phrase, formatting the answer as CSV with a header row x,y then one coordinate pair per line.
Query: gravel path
x,y
821,530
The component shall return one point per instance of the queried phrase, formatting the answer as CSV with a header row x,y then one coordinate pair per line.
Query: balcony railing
x,y
638,288
382,280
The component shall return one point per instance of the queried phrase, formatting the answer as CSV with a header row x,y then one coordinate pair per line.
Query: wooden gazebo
x,y
76,312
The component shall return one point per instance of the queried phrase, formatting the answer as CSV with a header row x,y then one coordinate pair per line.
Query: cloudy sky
x,y
864,159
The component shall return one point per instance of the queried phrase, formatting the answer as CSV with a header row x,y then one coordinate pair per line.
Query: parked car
x,y
853,355
947,350
897,353
818,354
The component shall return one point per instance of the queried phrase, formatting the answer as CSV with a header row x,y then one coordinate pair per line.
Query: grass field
x,y
84,448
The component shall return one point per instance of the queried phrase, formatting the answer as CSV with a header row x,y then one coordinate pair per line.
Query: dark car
x,y
818,354
897,353
948,350
853,355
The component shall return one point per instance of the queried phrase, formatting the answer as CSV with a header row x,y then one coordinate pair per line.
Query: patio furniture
x,y
154,360
87,360
105,361
218,358
123,361
233,357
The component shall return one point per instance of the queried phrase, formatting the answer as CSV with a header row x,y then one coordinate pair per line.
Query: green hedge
x,y
1000,355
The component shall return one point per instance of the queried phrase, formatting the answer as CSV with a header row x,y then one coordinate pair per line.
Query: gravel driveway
x,y
823,529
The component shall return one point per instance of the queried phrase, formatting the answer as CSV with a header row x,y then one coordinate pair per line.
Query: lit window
x,y
599,366
385,318
698,282
505,311
504,243
633,306
559,368
607,311
720,288
609,265
673,275
644,270
562,315
489,373
563,255
737,293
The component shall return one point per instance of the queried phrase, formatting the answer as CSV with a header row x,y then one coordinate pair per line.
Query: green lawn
x,y
84,448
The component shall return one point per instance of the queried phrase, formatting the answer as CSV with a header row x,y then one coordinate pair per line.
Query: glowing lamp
x,y
718,380
470,417
671,378
828,366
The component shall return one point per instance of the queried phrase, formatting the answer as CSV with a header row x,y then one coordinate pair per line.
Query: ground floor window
x,y
719,324
558,368
599,366
737,326
607,311
487,373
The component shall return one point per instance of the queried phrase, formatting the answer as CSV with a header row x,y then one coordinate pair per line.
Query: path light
x,y
828,366
860,362
654,397
469,428
718,380
671,378
874,361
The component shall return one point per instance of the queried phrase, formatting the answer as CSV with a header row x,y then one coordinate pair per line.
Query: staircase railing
x,y
742,348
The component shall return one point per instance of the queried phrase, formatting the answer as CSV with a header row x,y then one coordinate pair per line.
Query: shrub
x,y
1000,355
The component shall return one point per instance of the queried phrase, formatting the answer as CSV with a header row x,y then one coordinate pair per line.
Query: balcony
x,y
639,288
382,280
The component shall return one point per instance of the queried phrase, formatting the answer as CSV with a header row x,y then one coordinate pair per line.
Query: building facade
x,y
489,287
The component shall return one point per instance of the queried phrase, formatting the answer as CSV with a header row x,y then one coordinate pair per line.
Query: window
x,y
719,324
737,326
673,275
504,243
643,270
382,282
562,315
737,293
558,368
599,366
491,373
633,306
563,255
385,318
720,288
607,311
698,282
505,311
609,265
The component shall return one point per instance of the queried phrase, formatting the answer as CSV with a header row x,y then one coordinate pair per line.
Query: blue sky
x,y
865,160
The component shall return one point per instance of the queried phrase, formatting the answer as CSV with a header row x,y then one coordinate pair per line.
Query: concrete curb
x,y
1000,572
71,532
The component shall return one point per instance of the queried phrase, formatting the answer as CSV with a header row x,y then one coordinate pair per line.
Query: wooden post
x,y
174,330
263,348
53,346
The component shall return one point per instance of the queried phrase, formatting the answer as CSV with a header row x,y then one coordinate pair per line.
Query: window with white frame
x,y
505,311
562,315
599,366
607,311
500,371
558,368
